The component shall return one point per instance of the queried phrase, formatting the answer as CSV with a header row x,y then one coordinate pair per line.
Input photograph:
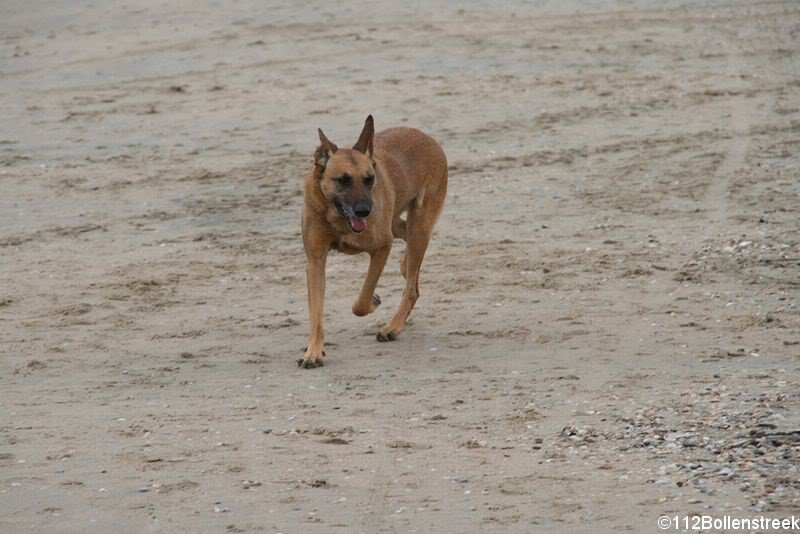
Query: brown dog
x,y
353,202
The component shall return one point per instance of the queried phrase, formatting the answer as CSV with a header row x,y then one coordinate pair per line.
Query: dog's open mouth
x,y
357,224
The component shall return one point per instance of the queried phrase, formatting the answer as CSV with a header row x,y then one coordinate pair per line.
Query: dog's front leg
x,y
368,301
315,279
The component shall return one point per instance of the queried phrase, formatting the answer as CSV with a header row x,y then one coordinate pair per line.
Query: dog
x,y
353,202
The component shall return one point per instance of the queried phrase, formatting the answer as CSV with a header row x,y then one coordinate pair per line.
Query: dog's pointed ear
x,y
364,143
324,151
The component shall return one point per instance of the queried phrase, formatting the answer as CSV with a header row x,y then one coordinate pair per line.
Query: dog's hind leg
x,y
400,231
368,301
404,263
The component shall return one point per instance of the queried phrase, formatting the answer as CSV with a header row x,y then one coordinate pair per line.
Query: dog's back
x,y
414,161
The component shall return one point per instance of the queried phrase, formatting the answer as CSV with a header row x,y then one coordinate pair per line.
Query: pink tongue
x,y
358,224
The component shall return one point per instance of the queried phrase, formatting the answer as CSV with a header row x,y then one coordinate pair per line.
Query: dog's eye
x,y
369,180
344,180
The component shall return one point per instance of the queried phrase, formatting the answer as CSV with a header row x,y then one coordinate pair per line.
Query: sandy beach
x,y
608,329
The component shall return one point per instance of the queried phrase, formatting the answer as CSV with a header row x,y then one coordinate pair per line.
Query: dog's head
x,y
347,176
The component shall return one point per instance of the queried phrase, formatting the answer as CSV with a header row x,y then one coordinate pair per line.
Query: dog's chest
x,y
347,245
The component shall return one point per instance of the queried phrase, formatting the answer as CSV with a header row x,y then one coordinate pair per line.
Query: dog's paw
x,y
309,364
311,360
386,336
361,310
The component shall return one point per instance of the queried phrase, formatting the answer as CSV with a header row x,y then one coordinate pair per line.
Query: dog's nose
x,y
362,209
